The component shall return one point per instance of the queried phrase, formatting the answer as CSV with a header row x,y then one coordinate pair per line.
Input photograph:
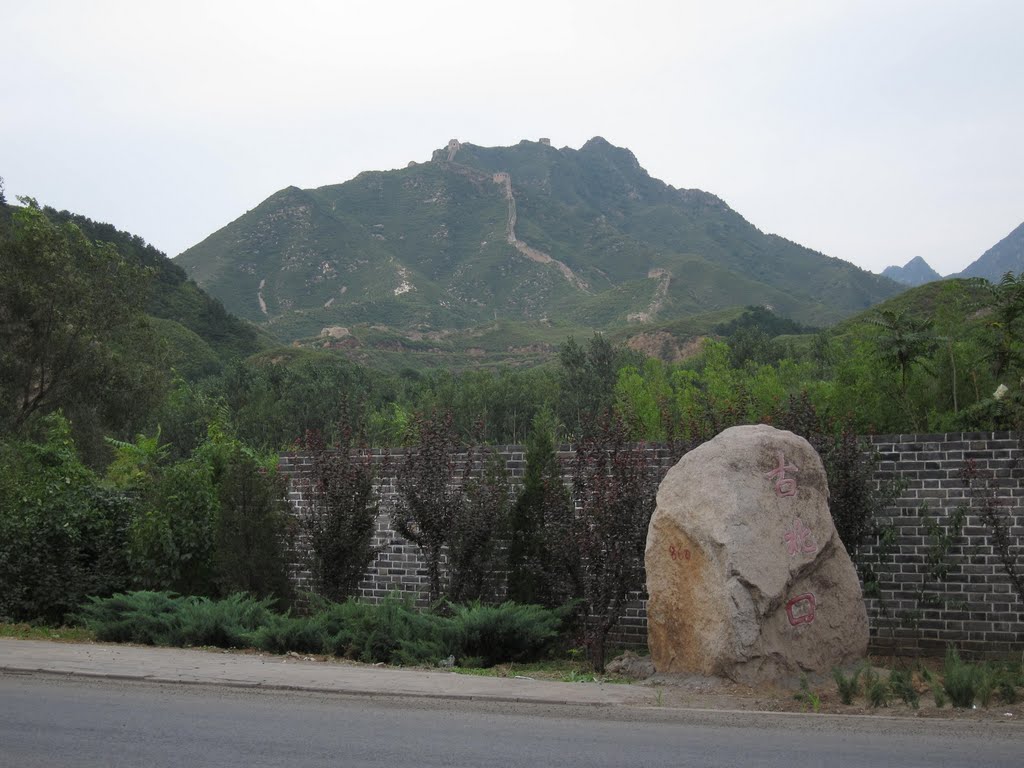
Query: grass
x,y
848,687
564,670
959,680
34,632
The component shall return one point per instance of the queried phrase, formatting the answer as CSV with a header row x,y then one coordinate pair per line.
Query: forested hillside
x,y
528,237
128,460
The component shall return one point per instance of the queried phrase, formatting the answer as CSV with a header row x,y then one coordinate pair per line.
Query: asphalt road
x,y
58,721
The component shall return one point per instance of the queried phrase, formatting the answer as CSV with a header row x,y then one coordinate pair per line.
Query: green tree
x,y
587,382
1004,328
540,524
63,301
904,340
63,535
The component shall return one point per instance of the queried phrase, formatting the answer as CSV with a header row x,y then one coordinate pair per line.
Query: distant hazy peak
x,y
917,271
1005,256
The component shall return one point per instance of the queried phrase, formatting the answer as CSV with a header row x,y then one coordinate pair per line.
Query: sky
x,y
870,131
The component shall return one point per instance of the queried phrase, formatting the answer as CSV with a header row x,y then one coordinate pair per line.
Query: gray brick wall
x,y
973,605
919,609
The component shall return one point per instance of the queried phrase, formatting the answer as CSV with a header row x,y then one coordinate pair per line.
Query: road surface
x,y
53,721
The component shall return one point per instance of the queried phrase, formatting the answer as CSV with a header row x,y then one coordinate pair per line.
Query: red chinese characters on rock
x,y
799,540
784,486
800,609
678,554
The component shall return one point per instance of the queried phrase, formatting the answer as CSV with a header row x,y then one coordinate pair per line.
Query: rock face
x,y
746,575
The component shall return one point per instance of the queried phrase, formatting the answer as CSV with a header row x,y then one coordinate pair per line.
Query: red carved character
x,y
784,486
800,609
799,540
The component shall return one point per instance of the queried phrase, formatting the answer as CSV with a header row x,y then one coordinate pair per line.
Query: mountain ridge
x,y
528,233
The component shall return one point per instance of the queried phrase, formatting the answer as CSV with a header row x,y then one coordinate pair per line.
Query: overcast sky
x,y
871,131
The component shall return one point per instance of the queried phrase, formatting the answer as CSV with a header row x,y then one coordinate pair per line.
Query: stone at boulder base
x,y
746,575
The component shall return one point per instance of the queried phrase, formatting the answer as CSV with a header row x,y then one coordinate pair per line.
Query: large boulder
x,y
746,575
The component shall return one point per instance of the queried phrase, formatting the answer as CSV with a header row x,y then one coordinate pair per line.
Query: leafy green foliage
x,y
541,520
876,688
62,534
171,296
163,618
60,338
254,528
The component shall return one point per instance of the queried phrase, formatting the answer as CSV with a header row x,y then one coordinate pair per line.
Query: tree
x,y
904,340
429,498
344,519
541,524
1007,303
63,301
63,535
587,382
477,526
614,489
253,528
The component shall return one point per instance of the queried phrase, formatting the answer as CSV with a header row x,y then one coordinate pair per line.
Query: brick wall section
x,y
974,606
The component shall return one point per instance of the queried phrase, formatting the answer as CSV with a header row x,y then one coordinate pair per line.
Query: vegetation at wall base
x,y
392,632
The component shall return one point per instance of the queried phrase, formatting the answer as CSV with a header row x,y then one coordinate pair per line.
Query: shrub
x,y
226,623
172,540
147,618
392,632
508,632
985,680
535,573
958,679
302,634
848,687
62,535
876,690
902,684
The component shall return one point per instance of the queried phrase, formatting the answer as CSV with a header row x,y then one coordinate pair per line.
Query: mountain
x,y
198,332
1005,256
528,235
915,272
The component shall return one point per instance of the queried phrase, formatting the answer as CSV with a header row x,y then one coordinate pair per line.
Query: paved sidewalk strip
x,y
186,665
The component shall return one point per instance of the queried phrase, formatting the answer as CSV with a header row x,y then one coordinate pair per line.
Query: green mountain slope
x,y
524,234
199,333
